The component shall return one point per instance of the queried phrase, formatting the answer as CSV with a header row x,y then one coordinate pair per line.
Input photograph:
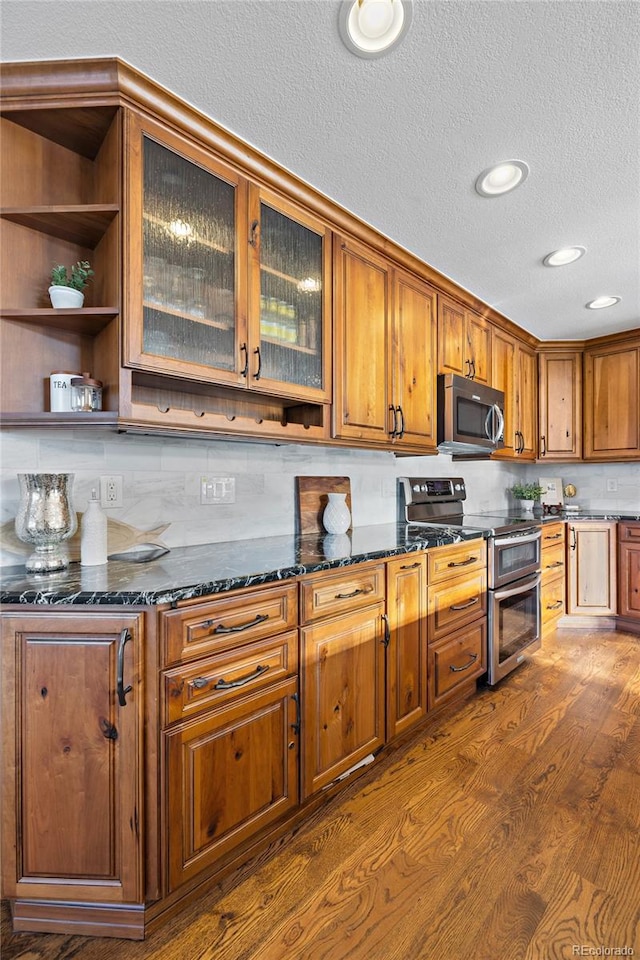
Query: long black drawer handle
x,y
462,563
260,618
240,682
556,563
555,606
122,691
474,657
410,566
347,596
465,606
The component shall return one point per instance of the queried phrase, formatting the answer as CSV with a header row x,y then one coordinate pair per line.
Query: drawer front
x,y
553,562
230,620
452,605
552,534
456,559
213,681
552,600
351,589
453,662
629,532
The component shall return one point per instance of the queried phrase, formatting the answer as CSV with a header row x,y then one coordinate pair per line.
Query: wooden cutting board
x,y
312,498
120,537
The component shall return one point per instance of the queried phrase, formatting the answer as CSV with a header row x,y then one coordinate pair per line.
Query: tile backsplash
x,y
162,479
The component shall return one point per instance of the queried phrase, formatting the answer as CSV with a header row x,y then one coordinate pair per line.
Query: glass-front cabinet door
x,y
289,305
186,282
226,281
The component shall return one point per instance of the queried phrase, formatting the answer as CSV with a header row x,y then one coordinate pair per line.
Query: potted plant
x,y
67,286
527,493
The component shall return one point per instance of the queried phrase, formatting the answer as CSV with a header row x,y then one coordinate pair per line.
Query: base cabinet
x,y
407,650
553,582
591,562
629,571
72,745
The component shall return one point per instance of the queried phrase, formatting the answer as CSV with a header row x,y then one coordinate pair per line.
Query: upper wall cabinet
x,y
612,401
227,280
560,404
385,334
464,341
514,371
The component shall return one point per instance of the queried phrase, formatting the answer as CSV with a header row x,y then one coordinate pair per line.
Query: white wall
x,y
590,481
162,480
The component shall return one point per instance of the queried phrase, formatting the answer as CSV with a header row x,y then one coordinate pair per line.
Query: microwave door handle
x,y
500,419
521,587
487,424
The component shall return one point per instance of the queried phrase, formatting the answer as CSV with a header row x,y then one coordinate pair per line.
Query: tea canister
x,y
60,390
86,394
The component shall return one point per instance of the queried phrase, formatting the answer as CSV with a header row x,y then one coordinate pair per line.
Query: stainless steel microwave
x,y
470,416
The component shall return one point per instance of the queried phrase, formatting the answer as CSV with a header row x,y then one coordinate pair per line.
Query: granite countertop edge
x,y
187,573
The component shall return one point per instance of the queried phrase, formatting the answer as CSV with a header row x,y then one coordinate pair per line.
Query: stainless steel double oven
x,y
513,574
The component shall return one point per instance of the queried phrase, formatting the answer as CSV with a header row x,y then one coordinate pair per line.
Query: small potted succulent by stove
x,y
67,286
527,494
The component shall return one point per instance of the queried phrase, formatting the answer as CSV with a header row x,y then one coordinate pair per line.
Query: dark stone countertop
x,y
590,515
198,571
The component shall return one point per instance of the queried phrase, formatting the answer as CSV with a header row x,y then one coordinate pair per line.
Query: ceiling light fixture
x,y
501,178
560,258
370,28
601,302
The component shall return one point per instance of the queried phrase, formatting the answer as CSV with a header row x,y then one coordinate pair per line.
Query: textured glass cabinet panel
x,y
290,300
189,265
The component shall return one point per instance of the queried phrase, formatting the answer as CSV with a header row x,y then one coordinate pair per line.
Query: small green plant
x,y
80,275
527,491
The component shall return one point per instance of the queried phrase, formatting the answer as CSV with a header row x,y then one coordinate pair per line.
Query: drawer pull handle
x,y
410,566
555,606
347,596
553,536
462,563
240,682
122,691
474,657
199,683
465,606
260,618
556,563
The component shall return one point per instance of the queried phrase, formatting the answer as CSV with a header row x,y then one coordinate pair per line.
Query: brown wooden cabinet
x,y
514,370
231,724
560,404
73,808
464,341
342,671
553,582
385,339
457,620
612,401
629,571
407,650
592,568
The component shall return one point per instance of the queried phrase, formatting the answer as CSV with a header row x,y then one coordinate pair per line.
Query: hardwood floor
x,y
509,828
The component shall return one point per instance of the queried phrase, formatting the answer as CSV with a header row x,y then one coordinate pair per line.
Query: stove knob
x,y
424,488
416,488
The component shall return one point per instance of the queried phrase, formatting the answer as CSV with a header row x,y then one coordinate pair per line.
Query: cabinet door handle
x,y
543,440
473,368
401,413
462,563
410,566
223,684
122,691
253,233
574,539
259,618
465,606
556,563
348,596
258,372
554,606
245,370
386,640
394,430
474,657
296,726
468,373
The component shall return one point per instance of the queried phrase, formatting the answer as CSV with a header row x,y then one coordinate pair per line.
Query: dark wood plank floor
x,y
508,829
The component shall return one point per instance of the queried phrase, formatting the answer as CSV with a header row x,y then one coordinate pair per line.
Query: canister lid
x,y
85,381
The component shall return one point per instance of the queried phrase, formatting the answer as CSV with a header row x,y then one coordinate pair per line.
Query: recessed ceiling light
x,y
370,28
502,177
560,258
601,302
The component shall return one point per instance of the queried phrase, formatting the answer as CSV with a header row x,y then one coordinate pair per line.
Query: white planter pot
x,y
527,505
66,297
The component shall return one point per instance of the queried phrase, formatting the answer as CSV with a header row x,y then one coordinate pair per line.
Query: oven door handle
x,y
524,538
521,586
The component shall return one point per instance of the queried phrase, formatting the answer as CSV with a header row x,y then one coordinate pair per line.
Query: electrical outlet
x,y
612,486
217,490
111,491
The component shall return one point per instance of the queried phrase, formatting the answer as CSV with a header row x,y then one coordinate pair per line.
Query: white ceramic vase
x,y
65,297
336,517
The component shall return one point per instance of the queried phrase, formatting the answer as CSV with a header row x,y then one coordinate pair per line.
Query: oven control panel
x,y
432,490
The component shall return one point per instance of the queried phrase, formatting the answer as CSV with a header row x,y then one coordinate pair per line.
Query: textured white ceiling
x,y
400,140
